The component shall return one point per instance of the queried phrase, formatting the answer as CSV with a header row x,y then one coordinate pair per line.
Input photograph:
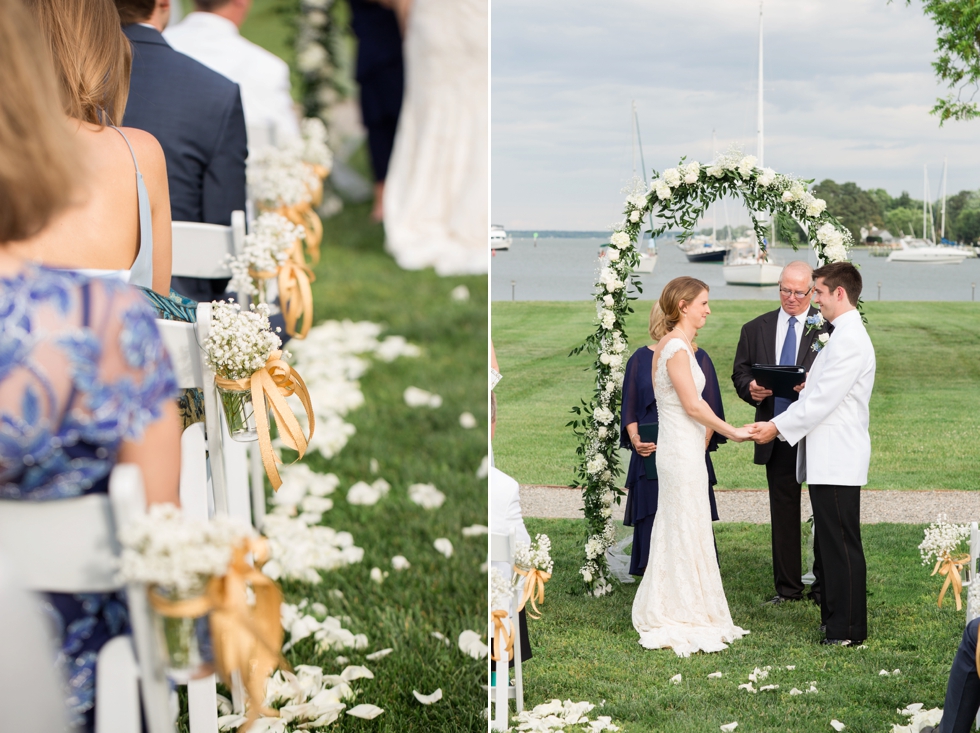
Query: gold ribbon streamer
x,y
303,215
246,638
502,637
270,386
533,589
296,297
950,567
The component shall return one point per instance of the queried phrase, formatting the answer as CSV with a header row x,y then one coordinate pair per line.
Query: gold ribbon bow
x,y
533,589
950,567
296,297
246,638
503,637
303,215
271,385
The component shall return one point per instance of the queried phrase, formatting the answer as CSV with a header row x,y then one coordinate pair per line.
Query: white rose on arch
x,y
613,254
835,253
716,170
766,177
608,319
620,240
662,189
607,300
671,177
746,166
692,171
603,415
635,215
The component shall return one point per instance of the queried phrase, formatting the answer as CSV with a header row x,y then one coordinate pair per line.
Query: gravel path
x,y
752,505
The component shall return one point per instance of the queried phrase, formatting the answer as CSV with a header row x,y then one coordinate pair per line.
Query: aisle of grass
x,y
924,416
587,649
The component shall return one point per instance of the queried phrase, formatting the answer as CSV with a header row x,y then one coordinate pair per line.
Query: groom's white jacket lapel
x,y
830,419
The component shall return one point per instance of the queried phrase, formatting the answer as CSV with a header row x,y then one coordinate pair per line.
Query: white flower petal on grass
x,y
460,293
335,593
729,727
467,421
676,679
230,722
415,397
837,725
794,691
363,494
896,671
442,638
484,470
356,672
399,562
475,530
884,673
341,661
368,712
428,699
377,576
790,666
714,675
911,709
426,496
380,654
224,705
765,688
748,687
471,643
373,466
444,546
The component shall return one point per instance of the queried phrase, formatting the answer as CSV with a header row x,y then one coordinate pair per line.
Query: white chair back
x,y
201,250
502,547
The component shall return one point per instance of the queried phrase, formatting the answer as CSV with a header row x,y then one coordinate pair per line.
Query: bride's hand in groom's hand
x,y
762,432
740,435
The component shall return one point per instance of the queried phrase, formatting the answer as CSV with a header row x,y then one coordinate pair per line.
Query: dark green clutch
x,y
648,434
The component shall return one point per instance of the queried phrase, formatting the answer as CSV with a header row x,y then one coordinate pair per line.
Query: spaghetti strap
x,y
141,273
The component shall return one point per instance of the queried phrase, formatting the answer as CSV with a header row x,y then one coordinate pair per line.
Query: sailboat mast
x,y
925,198
760,148
633,134
942,224
714,221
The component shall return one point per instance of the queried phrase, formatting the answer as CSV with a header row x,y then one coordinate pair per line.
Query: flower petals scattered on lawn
x,y
918,718
758,674
367,494
443,546
400,562
884,673
729,727
378,576
794,691
676,679
380,654
230,722
460,293
356,672
415,397
714,675
766,688
368,712
472,644
484,470
442,638
428,699
426,496
556,716
467,421
475,530
837,725
790,666
748,687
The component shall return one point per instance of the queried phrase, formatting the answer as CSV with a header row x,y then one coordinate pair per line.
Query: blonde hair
x,y
91,56
37,155
658,326
679,290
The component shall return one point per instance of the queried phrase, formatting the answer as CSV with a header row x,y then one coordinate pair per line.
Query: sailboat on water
x,y
749,264
925,251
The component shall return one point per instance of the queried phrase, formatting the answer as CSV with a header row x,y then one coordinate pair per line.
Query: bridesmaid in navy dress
x,y
639,408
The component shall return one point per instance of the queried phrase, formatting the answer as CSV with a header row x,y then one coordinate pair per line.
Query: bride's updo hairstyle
x,y
37,157
680,290
91,56
658,327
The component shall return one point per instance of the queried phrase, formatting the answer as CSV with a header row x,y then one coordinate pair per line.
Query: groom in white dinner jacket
x,y
830,424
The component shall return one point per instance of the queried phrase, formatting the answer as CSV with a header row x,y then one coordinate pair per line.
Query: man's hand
x,y
801,385
762,432
758,393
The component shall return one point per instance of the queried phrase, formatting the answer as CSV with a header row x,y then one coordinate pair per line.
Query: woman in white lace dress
x,y
681,603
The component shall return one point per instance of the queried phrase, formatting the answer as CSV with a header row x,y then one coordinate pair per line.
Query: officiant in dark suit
x,y
780,337
196,114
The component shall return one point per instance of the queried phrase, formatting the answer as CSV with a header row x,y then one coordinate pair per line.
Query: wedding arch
x,y
679,197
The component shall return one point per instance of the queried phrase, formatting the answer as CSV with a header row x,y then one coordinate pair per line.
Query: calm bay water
x,y
566,269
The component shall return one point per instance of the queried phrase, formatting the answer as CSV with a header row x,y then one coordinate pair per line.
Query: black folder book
x,y
780,379
648,434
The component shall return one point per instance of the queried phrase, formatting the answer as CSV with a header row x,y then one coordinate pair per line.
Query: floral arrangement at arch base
x,y
679,197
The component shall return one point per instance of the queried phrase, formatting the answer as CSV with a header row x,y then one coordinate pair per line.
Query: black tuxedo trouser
x,y
784,510
843,597
963,688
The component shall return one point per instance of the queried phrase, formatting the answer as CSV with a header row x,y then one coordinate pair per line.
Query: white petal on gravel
x,y
467,421
426,496
837,725
400,562
444,546
441,638
428,699
356,672
380,654
471,643
729,727
460,293
676,679
794,691
714,676
475,530
368,712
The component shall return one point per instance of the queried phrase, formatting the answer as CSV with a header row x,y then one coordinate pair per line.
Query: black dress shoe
x,y
776,600
842,642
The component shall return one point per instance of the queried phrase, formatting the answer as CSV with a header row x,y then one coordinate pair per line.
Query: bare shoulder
x,y
147,148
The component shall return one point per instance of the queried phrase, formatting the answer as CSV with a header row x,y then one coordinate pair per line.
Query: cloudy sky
x,y
847,93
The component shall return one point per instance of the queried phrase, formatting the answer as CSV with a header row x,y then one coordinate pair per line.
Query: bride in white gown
x,y
681,603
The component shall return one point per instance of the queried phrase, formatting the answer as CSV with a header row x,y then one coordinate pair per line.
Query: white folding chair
x,y
502,548
201,250
972,572
70,546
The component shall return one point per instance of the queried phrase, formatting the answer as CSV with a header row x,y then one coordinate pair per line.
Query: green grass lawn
x,y
587,649
924,410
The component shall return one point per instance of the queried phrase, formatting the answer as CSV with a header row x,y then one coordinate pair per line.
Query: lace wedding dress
x,y
681,603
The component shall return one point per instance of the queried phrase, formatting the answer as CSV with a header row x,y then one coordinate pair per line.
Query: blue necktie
x,y
788,356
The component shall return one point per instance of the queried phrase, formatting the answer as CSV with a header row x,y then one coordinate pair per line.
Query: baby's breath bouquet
x,y
269,244
534,563
239,344
501,590
943,545
315,150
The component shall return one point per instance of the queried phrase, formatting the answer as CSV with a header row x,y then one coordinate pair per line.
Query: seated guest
x,y
85,382
963,688
640,408
196,115
210,35
119,224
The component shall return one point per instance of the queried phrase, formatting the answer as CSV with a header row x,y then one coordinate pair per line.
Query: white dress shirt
x,y
262,76
782,324
505,513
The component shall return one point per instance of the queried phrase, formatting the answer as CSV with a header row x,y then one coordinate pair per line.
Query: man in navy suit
x,y
196,114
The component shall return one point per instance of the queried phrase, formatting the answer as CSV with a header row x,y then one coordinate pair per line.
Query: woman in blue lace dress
x,y
84,380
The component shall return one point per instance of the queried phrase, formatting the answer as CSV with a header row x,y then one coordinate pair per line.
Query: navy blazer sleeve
x,y
224,178
631,396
